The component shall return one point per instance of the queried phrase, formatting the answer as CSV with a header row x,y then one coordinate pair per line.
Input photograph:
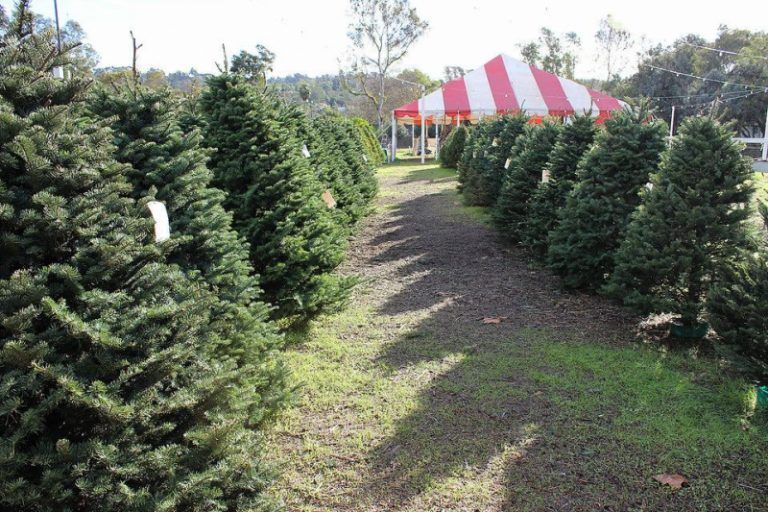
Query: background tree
x,y
690,225
451,72
593,222
553,53
254,66
531,152
613,41
382,32
573,141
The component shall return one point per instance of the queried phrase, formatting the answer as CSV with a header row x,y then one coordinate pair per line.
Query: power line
x,y
763,88
722,51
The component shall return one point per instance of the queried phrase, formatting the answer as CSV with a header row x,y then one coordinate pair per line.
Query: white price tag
x,y
506,164
305,151
160,215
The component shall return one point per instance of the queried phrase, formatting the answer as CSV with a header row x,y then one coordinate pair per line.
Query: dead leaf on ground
x,y
674,481
493,319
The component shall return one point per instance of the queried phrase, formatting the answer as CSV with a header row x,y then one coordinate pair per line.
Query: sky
x,y
310,36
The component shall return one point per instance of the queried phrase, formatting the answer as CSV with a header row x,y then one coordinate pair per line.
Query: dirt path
x,y
412,402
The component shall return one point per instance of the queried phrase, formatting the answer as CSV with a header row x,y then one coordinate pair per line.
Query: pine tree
x,y
373,151
573,141
170,166
531,150
296,240
116,394
689,226
474,160
500,152
738,311
593,222
453,147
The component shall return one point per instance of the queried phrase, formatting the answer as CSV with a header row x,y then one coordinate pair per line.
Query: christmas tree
x,y
453,147
295,238
689,226
371,145
117,394
738,308
573,141
593,221
531,150
169,165
500,154
474,161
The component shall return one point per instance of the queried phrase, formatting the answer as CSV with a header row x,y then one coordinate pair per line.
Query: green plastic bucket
x,y
689,331
762,397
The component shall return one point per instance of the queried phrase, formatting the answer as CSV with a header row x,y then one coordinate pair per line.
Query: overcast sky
x,y
309,36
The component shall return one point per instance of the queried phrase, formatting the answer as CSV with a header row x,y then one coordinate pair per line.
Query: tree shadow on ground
x,y
491,422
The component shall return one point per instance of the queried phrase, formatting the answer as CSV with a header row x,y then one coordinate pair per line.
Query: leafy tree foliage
x,y
593,222
573,141
531,153
689,226
453,147
117,395
254,66
552,53
276,199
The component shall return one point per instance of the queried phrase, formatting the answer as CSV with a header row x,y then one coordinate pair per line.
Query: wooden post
x,y
765,137
394,138
671,125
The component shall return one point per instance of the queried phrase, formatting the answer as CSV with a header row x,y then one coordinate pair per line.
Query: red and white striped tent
x,y
504,85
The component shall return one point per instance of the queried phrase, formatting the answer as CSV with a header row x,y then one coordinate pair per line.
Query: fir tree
x,y
453,147
296,241
593,221
738,311
170,166
117,396
509,128
474,160
532,148
689,226
573,141
371,146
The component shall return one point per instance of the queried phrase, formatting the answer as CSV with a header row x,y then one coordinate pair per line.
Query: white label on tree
x,y
649,186
545,175
474,154
365,158
160,215
495,142
305,151
506,164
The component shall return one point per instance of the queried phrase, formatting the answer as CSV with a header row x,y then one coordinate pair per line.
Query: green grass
x,y
392,416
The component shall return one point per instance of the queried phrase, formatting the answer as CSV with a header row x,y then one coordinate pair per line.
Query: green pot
x,y
762,397
696,331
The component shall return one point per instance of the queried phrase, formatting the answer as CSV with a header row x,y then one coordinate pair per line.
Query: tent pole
x,y
394,138
423,137
671,124
413,138
765,138
437,139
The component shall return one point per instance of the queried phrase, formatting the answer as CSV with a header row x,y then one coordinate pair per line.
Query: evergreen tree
x,y
509,128
738,311
689,226
609,178
532,148
325,141
453,147
573,141
474,160
373,151
170,166
296,240
116,394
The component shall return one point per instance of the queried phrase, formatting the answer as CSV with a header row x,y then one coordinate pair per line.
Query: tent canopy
x,y
506,85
